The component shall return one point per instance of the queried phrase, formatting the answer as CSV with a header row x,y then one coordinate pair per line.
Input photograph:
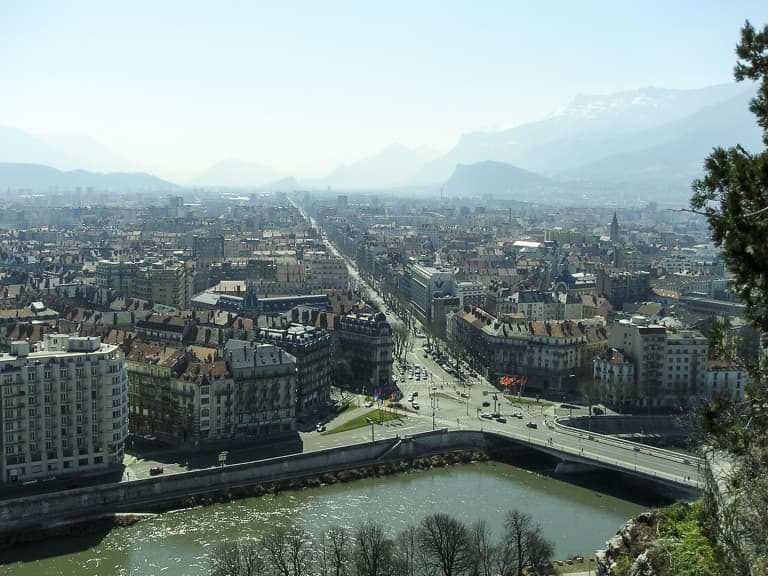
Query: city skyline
x,y
304,88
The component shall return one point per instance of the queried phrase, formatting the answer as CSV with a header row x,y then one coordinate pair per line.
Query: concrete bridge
x,y
581,450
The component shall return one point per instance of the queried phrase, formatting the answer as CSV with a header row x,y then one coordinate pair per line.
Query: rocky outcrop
x,y
629,547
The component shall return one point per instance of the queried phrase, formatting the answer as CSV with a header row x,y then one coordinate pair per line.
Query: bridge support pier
x,y
566,467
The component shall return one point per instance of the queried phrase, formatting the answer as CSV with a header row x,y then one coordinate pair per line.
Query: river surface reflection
x,y
579,520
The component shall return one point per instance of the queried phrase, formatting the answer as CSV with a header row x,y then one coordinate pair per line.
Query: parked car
x,y
155,470
320,428
532,425
368,404
415,405
501,419
597,411
486,415
486,404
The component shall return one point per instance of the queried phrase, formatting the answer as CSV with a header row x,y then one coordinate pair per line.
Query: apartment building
x,y
670,366
264,400
63,408
364,341
184,396
553,356
161,282
621,287
536,305
728,380
117,276
312,348
325,272
425,282
165,282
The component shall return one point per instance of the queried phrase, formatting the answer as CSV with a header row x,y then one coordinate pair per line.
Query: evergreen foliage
x,y
733,196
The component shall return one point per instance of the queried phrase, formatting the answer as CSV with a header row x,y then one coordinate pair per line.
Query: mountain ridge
x,y
39,177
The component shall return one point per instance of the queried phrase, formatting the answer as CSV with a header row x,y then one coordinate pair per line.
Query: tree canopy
x,y
733,194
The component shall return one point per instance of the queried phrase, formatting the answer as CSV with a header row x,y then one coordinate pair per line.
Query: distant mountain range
x,y
234,173
641,143
495,178
62,152
394,166
44,178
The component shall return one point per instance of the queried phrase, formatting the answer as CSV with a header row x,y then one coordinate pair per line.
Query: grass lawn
x,y
586,565
378,416
526,401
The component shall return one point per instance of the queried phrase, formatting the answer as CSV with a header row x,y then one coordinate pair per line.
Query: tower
x,y
614,229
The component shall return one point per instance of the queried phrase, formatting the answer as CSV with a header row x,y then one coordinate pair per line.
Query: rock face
x,y
632,541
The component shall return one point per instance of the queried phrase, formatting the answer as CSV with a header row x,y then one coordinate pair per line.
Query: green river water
x,y
579,520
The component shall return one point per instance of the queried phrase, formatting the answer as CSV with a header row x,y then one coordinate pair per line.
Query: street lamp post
x,y
372,429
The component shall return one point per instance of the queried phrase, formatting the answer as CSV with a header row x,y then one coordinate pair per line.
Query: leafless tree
x,y
444,542
237,558
288,550
406,555
484,554
400,340
372,550
333,552
525,548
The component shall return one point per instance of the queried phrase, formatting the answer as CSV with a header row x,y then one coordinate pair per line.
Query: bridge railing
x,y
659,452
692,481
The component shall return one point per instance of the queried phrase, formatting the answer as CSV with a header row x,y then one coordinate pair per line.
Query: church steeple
x,y
614,228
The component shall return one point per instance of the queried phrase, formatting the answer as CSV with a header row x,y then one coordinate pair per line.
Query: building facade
x,y
365,342
164,283
670,366
64,408
553,356
325,272
312,348
264,376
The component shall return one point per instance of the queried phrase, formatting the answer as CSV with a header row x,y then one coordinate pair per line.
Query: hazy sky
x,y
303,86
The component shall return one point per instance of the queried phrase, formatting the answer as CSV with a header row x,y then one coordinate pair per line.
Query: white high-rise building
x,y
63,409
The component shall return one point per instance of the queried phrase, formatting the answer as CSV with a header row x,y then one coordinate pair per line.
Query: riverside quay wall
x,y
45,511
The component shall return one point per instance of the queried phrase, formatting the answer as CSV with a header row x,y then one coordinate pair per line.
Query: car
x,y
425,376
368,404
486,415
415,405
415,393
425,355
519,415
495,414
155,470
532,425
463,394
320,428
486,404
501,419
597,411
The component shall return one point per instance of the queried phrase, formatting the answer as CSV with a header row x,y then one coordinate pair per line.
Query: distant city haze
x,y
341,93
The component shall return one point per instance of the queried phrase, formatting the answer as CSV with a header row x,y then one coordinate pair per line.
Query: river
x,y
579,520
